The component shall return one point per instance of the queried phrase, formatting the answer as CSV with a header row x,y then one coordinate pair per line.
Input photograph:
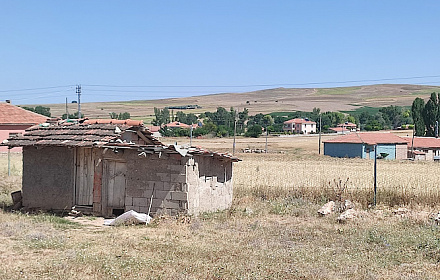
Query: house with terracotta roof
x,y
14,120
177,124
362,145
299,126
107,167
344,127
423,148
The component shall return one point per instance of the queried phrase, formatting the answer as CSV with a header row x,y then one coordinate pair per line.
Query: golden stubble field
x,y
272,230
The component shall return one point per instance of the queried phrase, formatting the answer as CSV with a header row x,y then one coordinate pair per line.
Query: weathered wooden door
x,y
114,184
84,177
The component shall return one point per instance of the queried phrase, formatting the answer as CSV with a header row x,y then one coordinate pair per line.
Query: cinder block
x,y
143,209
171,204
147,193
176,187
164,177
159,185
179,196
140,201
178,178
129,207
128,200
162,194
157,203
177,169
167,186
134,192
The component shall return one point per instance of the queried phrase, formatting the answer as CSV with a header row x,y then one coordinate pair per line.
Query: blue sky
x,y
131,50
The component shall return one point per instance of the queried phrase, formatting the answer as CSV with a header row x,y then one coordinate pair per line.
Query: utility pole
x,y
235,132
267,134
78,91
9,161
375,174
412,142
191,135
67,112
319,149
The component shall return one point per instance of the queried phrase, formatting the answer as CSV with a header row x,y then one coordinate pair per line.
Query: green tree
x,y
430,114
417,108
161,116
120,116
254,131
45,111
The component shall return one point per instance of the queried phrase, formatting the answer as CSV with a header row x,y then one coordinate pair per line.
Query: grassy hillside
x,y
265,101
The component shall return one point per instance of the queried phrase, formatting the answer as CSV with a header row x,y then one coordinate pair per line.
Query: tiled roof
x,y
154,128
338,129
369,138
87,134
10,114
180,124
113,121
349,124
423,142
298,120
92,133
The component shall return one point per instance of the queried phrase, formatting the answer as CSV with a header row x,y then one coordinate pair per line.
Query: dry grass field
x,y
272,230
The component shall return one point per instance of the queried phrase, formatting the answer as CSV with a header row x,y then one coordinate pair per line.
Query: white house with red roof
x,y
299,126
14,120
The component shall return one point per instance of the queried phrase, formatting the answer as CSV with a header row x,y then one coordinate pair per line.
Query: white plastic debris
x,y
129,218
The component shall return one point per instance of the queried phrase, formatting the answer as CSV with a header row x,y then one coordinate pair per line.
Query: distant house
x,y
108,167
344,127
362,145
423,148
155,131
298,125
180,125
14,120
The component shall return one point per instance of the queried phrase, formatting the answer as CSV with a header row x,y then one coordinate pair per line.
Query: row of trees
x,y
426,116
221,122
45,111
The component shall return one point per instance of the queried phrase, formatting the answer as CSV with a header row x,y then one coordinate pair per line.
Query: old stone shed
x,y
110,166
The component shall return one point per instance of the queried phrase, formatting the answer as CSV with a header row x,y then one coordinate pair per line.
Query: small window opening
x,y
117,212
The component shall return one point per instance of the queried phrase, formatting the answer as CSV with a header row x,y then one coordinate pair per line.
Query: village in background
x,y
244,190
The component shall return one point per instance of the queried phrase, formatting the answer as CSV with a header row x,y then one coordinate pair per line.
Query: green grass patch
x,y
55,221
367,109
281,114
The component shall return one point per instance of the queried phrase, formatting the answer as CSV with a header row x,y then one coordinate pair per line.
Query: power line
x,y
214,86
31,89
263,85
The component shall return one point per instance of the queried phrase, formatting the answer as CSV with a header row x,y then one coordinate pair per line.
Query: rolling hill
x,y
265,101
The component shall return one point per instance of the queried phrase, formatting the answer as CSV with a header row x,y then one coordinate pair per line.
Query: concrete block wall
x,y
163,178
